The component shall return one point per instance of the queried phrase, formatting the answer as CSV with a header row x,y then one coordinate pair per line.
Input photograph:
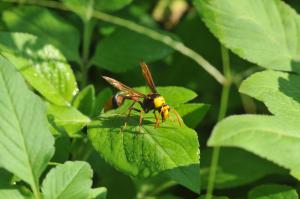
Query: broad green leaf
x,y
46,25
10,194
85,8
117,53
256,30
267,136
278,90
273,191
170,148
68,181
26,144
42,65
236,168
85,100
192,113
68,118
98,193
101,99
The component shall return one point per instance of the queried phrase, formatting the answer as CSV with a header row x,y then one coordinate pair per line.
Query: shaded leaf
x,y
46,25
98,193
236,168
120,45
85,100
5,178
101,99
68,118
240,24
26,144
42,65
267,136
273,191
68,181
170,148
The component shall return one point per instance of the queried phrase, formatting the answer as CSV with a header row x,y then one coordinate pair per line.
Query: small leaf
x,y
68,118
278,90
85,100
42,65
98,193
26,144
239,25
267,136
10,194
46,25
273,191
119,44
101,99
192,113
68,181
236,168
170,148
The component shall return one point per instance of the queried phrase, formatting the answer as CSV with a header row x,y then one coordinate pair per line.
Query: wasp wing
x,y
125,90
148,77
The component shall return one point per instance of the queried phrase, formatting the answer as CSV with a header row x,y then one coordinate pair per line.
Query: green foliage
x,y
22,121
239,25
98,193
41,64
273,191
119,44
69,180
11,194
85,100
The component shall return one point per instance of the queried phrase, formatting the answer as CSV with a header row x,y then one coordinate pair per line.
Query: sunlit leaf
x,y
11,194
26,144
46,25
256,30
42,65
68,181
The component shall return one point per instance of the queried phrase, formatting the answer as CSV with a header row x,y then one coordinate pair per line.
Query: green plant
x,y
56,141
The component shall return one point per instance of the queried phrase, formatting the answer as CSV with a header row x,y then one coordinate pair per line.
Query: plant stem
x,y
163,38
221,115
36,191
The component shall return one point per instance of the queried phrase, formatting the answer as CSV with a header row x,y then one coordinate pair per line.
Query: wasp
x,y
150,102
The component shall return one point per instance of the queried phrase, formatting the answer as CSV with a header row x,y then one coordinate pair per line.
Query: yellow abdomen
x,y
158,102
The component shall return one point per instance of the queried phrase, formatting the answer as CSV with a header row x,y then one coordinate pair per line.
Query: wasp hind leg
x,y
157,121
135,109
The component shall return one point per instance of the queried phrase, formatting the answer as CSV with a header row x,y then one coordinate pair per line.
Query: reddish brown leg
x,y
141,119
177,116
157,120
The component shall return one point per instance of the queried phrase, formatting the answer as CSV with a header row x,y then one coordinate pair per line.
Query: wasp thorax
x,y
159,102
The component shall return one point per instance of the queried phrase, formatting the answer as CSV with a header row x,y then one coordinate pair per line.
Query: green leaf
x,y
236,168
101,99
46,25
84,8
214,197
5,178
68,181
267,136
26,144
273,191
239,25
170,148
192,113
68,118
278,90
120,45
10,194
85,100
62,149
98,193
42,65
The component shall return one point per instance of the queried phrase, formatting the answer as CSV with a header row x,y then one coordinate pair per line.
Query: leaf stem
x,y
221,115
167,40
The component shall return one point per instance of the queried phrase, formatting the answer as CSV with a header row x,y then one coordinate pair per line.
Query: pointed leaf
x,y
43,23
26,144
68,181
85,100
239,25
98,193
170,148
273,191
42,65
267,136
101,99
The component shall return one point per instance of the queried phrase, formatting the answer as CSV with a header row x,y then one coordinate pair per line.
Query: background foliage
x,y
209,58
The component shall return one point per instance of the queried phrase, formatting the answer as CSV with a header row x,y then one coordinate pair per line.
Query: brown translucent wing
x,y
125,90
148,77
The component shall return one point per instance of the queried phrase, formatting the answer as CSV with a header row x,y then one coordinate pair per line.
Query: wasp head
x,y
164,112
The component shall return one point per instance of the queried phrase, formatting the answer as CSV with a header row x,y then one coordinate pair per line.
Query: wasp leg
x,y
177,116
157,120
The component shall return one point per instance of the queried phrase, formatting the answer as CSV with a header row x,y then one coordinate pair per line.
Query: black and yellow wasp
x,y
152,101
